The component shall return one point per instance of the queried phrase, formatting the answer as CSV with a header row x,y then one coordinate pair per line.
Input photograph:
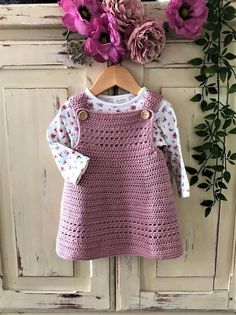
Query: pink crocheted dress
x,y
124,203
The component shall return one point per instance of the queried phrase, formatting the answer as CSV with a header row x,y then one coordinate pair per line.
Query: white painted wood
x,y
34,80
201,301
31,189
31,15
200,278
161,312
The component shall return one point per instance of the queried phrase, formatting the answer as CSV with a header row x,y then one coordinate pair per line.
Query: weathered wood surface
x,y
34,81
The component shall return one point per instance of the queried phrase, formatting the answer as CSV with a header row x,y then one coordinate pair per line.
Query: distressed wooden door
x,y
33,277
201,278
33,83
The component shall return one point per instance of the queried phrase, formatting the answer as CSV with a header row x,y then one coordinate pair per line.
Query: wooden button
x,y
145,114
83,115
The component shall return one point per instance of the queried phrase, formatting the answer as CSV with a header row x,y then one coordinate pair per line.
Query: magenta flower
x,y
79,14
187,17
146,42
126,12
104,42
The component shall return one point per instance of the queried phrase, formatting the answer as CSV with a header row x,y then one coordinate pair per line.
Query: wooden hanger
x,y
115,76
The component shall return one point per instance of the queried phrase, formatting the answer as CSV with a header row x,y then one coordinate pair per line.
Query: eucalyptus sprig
x,y
219,121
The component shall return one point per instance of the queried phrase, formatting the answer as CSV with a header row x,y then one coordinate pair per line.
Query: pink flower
x,y
104,42
126,12
79,14
187,17
146,41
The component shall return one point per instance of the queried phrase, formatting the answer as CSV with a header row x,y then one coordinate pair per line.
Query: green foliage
x,y
219,119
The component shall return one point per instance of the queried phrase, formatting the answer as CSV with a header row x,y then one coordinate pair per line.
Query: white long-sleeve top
x,y
63,132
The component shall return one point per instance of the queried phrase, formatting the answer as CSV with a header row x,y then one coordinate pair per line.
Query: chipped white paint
x,y
31,15
34,81
31,188
171,301
200,278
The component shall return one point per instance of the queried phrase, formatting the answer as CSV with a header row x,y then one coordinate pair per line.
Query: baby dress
x,y
117,155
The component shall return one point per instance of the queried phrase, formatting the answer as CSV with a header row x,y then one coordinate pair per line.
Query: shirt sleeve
x,y
166,133
62,134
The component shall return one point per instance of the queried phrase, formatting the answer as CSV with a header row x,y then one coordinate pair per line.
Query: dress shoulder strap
x,y
78,101
153,100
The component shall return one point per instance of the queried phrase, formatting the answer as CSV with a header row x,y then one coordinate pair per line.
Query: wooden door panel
x,y
199,279
31,187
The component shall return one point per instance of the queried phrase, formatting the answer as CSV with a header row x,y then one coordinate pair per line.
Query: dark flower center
x,y
184,12
104,38
84,12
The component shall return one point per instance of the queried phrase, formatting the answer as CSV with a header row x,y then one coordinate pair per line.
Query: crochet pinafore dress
x,y
123,203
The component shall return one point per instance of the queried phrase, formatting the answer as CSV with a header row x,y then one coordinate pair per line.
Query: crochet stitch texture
x,y
124,203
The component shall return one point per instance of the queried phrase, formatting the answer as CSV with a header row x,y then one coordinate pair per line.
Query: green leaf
x,y
233,156
229,17
233,131
217,123
212,90
230,56
227,176
228,39
210,106
229,112
201,133
213,69
193,180
232,88
195,61
223,72
203,69
210,117
216,32
207,203
217,168
191,170
221,197
201,126
207,173
229,9
212,16
207,145
210,26
224,51
214,58
229,13
197,157
203,185
227,4
200,157
207,211
201,77
203,105
227,64
227,123
196,98
222,185
216,151
210,51
221,133
200,41
198,148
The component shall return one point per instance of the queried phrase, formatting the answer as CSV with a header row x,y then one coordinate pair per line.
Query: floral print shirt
x,y
63,132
